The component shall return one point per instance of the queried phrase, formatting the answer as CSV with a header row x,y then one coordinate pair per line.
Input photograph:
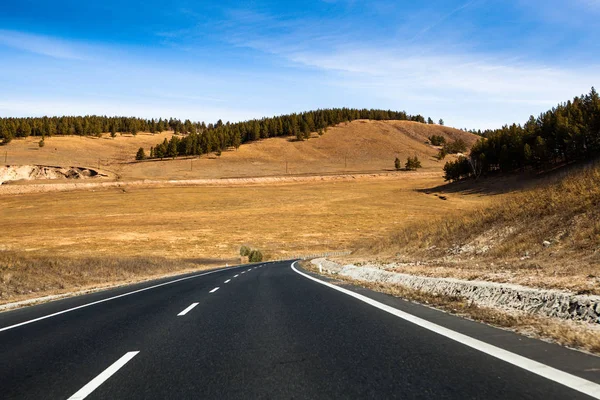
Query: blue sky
x,y
477,64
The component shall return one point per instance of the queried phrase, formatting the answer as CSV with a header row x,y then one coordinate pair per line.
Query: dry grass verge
x,y
25,276
573,334
547,236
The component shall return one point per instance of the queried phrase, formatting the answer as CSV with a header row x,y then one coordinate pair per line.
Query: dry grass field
x,y
189,223
359,146
65,240
545,234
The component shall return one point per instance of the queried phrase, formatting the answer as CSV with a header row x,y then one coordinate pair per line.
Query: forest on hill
x,y
222,136
567,133
215,137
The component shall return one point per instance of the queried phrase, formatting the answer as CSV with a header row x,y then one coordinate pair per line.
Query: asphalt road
x,y
270,332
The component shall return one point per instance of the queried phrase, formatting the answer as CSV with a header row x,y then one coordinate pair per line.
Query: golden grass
x,y
504,241
359,146
24,276
579,335
212,222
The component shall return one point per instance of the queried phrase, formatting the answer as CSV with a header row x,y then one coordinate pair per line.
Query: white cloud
x,y
39,44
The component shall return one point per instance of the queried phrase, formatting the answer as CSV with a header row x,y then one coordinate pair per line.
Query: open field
x,y
200,222
359,146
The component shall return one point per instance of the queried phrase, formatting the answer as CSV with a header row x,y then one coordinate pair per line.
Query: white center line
x,y
236,275
243,272
112,298
99,380
249,269
214,290
228,280
187,310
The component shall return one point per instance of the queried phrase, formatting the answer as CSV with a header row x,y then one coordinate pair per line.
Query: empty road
x,y
272,331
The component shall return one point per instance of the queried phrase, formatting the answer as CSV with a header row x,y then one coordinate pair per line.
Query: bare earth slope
x,y
360,146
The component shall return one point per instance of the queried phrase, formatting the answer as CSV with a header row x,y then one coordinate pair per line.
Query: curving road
x,y
272,331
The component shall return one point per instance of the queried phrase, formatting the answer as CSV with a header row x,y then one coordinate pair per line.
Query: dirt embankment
x,y
10,173
62,187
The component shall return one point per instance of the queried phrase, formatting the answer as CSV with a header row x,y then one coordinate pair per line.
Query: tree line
x,y
209,137
567,133
218,137
89,125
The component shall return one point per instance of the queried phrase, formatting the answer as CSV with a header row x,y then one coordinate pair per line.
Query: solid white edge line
x,y
571,381
100,379
112,298
187,310
228,280
214,290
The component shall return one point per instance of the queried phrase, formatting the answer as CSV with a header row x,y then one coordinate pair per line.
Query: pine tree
x,y
237,141
441,122
397,164
141,154
413,163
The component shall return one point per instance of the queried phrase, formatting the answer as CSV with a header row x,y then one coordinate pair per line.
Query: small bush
x,y
441,154
413,163
41,143
397,164
255,256
455,170
244,251
458,146
437,140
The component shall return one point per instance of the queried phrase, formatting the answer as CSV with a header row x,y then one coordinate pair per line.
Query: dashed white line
x,y
100,379
214,290
243,272
228,280
574,382
111,298
249,269
187,310
235,276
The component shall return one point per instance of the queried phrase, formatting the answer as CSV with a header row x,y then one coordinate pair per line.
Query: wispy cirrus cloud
x,y
455,78
40,44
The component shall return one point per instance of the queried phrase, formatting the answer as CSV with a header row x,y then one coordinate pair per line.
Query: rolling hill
x,y
355,147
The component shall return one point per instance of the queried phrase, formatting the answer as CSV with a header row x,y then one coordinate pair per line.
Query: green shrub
x,y
244,251
437,140
255,256
458,146
455,170
141,154
413,163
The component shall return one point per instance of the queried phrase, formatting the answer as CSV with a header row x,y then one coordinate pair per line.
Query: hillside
x,y
358,146
545,234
